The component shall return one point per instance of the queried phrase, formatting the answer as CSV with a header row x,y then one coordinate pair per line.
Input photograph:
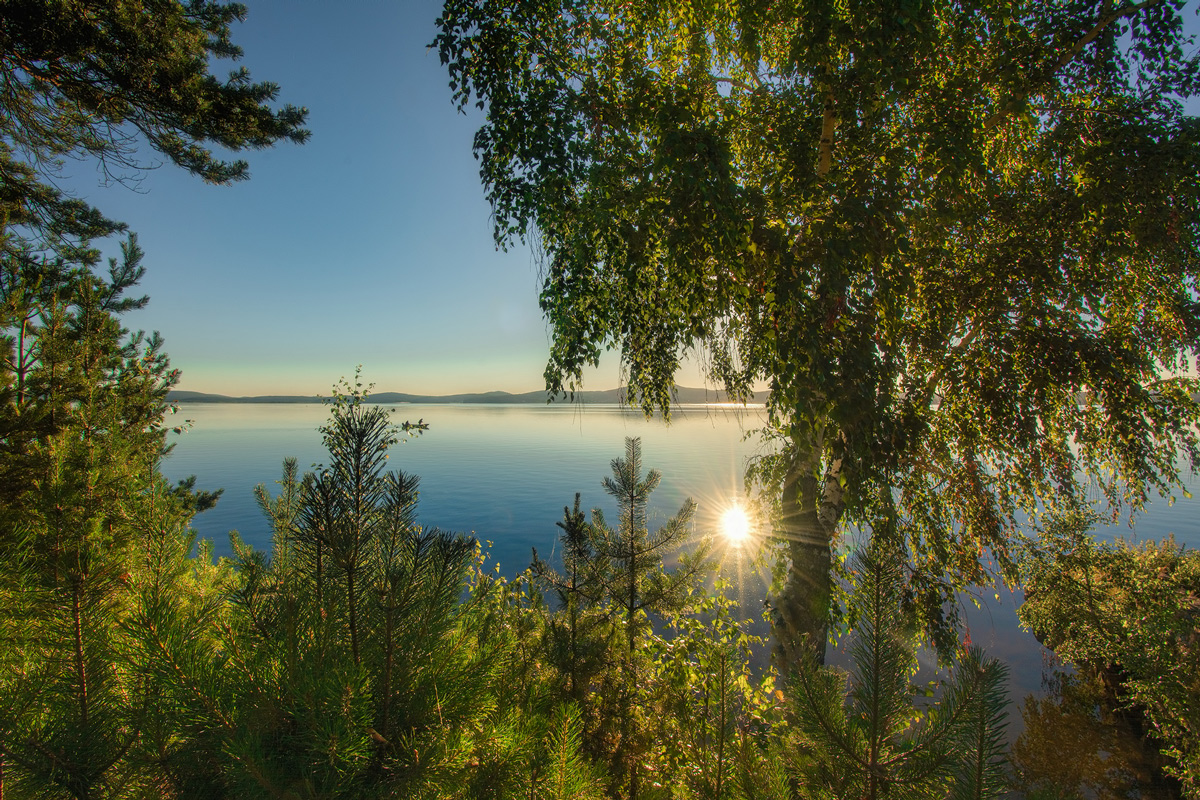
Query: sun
x,y
735,524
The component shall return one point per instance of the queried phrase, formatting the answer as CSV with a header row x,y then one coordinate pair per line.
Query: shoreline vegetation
x,y
959,243
683,396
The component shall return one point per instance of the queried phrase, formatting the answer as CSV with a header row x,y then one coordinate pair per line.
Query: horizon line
x,y
620,391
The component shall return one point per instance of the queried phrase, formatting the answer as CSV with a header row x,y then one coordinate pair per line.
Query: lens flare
x,y
735,524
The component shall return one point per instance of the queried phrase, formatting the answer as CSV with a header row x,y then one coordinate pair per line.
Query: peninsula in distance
x,y
683,396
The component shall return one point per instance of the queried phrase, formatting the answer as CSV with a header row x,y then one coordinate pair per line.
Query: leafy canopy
x,y
958,241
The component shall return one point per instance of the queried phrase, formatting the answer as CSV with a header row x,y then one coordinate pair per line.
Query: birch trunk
x,y
812,509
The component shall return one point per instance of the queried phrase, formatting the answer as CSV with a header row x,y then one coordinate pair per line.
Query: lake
x,y
500,472
505,472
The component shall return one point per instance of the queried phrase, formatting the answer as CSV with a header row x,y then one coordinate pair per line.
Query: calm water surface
x,y
504,473
501,472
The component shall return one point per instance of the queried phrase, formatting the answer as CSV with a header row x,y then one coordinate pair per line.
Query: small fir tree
x,y
84,518
578,634
634,585
861,735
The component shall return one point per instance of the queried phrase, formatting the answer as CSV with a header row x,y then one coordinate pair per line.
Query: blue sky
x,y
369,244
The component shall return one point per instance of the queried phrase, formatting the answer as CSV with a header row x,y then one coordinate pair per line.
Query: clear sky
x,y
369,244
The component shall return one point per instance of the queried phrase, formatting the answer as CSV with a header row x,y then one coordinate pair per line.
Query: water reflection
x,y
501,472
1075,745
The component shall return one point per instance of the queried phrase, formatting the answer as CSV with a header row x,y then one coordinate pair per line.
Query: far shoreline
x,y
682,395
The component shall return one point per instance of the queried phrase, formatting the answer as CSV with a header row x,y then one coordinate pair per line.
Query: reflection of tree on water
x,y
1129,613
1077,743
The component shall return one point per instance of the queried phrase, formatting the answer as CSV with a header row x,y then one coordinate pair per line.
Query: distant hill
x,y
683,396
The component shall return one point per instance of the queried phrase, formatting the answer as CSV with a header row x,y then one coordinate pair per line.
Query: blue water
x,y
500,472
504,474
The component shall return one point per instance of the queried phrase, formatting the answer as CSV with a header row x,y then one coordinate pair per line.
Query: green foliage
x,y
96,576
958,241
356,674
862,735
635,584
177,605
618,573
68,363
534,744
1075,744
1129,613
94,544
94,547
713,710
367,656
568,774
579,637
667,713
687,708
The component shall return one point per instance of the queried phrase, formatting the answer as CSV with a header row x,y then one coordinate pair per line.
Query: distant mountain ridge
x,y
684,395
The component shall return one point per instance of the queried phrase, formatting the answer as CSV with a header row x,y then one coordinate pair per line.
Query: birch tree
x,y
957,241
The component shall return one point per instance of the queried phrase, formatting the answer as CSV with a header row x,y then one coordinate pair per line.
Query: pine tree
x,y
867,739
635,584
283,510
96,82
82,407
577,631
177,604
354,667
568,773
93,543
357,438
